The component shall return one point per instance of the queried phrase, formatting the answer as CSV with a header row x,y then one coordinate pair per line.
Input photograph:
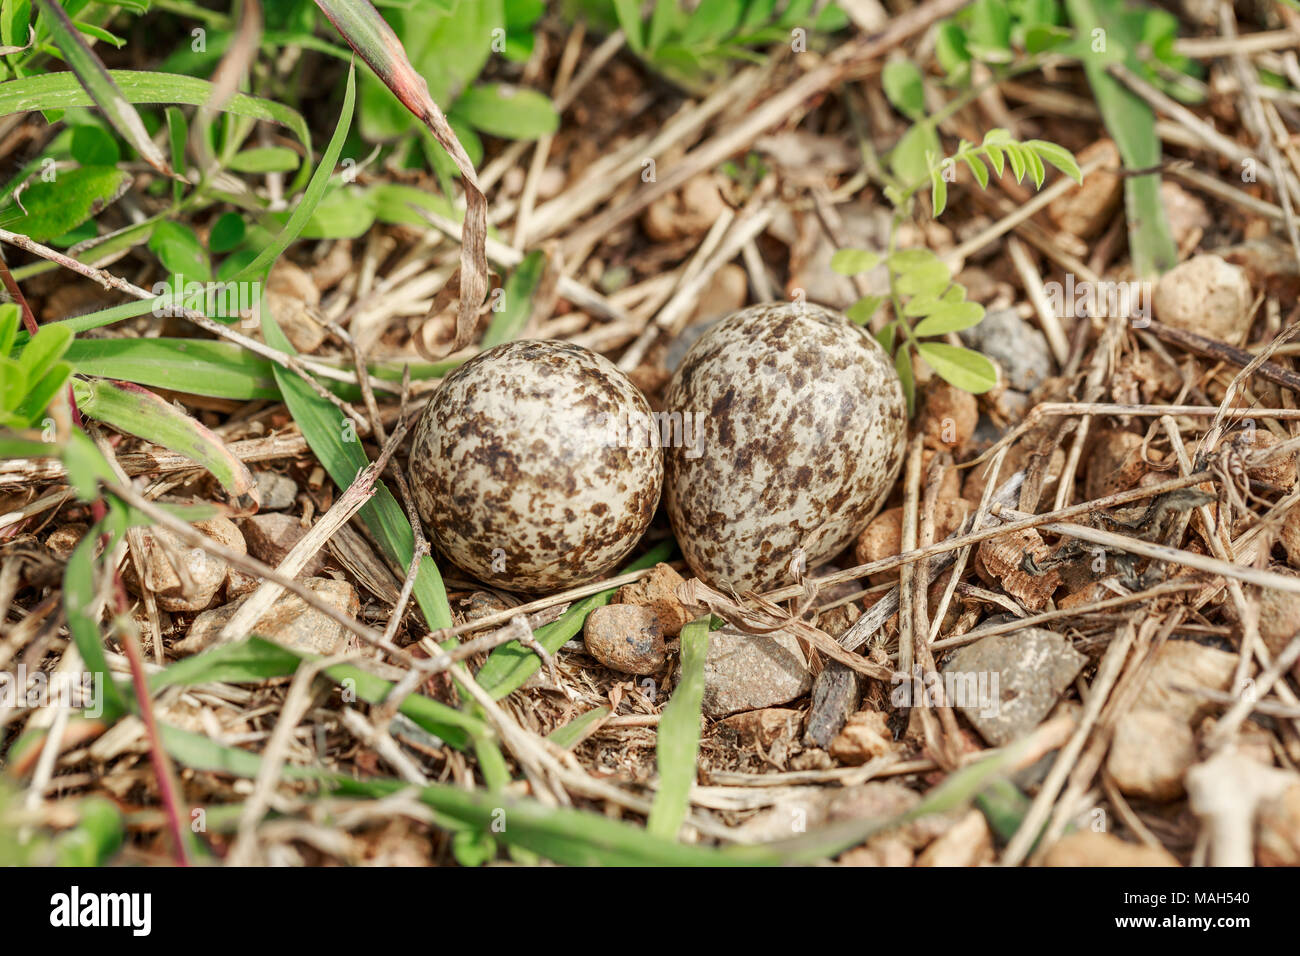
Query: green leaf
x,y
1040,39
92,146
1058,156
180,252
42,392
959,366
629,19
59,206
86,466
950,50
265,159
909,159
15,19
9,319
1016,157
507,111
938,192
46,347
344,212
977,168
138,411
920,305
860,312
194,366
989,34
903,86
848,262
678,745
950,317
919,272
13,383
227,232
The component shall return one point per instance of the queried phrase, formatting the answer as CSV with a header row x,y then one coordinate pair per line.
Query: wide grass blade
x,y
678,744
194,366
138,411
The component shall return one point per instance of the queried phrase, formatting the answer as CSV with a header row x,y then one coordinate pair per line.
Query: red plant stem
x,y
162,764
11,285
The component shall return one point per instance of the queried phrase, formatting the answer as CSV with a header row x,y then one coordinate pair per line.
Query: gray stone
x,y
290,621
1031,667
1020,350
275,492
750,671
270,537
625,637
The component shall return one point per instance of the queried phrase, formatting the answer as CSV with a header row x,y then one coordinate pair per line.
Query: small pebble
x,y
290,621
1022,675
625,638
205,572
271,537
275,492
751,671
1205,295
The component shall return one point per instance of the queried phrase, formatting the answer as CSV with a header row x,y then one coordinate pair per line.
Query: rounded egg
x,y
533,466
797,425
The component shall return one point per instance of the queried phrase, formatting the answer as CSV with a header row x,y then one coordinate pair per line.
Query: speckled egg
x,y
798,424
533,466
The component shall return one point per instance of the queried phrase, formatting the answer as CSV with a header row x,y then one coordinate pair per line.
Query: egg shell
x,y
800,425
534,466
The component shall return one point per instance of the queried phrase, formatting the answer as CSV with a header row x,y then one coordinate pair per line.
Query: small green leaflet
x,y
959,366
58,206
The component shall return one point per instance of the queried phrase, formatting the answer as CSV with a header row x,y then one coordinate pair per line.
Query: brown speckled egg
x,y
799,428
532,466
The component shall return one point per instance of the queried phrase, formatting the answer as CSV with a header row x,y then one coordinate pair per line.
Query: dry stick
x,y
542,151
672,317
772,112
1221,190
18,473
1107,673
510,157
1227,726
1247,615
109,281
908,572
1033,285
348,504
1129,685
1206,48
243,562
1258,125
953,542
1222,352
1147,549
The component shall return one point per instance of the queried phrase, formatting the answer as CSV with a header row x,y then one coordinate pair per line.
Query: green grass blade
x,y
678,744
1132,124
518,301
138,411
575,731
194,366
57,91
